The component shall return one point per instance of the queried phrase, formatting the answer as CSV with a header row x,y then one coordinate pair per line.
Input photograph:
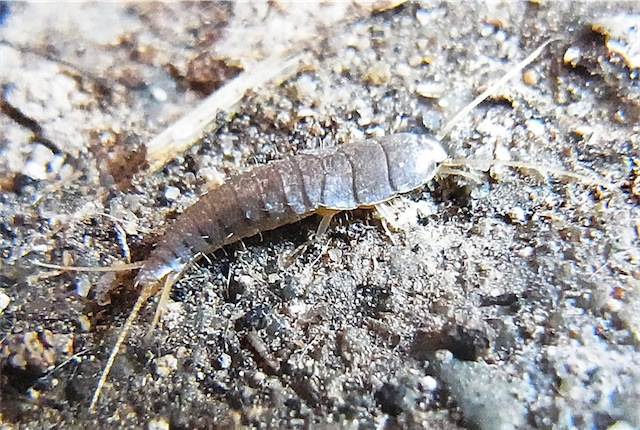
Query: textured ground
x,y
503,299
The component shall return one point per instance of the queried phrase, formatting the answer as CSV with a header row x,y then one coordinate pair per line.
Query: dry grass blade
x,y
500,82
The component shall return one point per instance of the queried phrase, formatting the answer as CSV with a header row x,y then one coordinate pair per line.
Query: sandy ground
x,y
502,298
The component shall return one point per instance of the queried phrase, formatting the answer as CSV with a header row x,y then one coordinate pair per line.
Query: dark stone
x,y
390,398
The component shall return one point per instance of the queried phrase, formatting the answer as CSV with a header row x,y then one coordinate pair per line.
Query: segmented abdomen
x,y
284,191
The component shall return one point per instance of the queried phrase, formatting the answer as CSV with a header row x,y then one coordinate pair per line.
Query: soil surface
x,y
495,297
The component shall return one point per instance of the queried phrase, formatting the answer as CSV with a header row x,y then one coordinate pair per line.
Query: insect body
x,y
269,196
284,191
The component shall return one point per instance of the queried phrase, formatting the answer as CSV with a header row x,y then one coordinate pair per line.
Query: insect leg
x,y
326,215
170,280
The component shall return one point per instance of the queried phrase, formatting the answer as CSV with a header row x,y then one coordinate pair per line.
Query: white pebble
x,y
297,309
158,424
423,16
171,193
159,94
428,383
306,87
83,286
212,175
403,69
246,281
501,152
56,163
487,30
224,361
572,55
34,170
535,127
335,254
42,154
166,364
273,278
527,251
430,90
259,378
517,214
4,301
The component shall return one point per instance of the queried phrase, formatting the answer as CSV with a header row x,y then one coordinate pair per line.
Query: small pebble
x,y
34,170
297,309
517,214
4,301
85,323
36,167
487,30
43,247
259,378
246,282
530,77
572,55
527,251
378,74
403,69
335,254
431,120
535,127
620,116
166,365
430,90
171,193
273,278
306,87
423,16
33,393
212,175
83,286
159,94
305,113
224,361
502,152
158,424
428,383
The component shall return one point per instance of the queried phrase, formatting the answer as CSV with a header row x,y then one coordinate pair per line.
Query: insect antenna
x,y
120,268
124,331
446,166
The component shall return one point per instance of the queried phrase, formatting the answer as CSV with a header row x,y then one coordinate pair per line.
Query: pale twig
x,y
503,80
187,130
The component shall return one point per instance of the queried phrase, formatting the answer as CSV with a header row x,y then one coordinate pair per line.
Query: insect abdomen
x,y
243,206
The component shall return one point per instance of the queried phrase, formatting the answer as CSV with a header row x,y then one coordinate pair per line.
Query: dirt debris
x,y
505,299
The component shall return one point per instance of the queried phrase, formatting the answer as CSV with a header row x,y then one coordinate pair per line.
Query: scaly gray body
x,y
284,191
